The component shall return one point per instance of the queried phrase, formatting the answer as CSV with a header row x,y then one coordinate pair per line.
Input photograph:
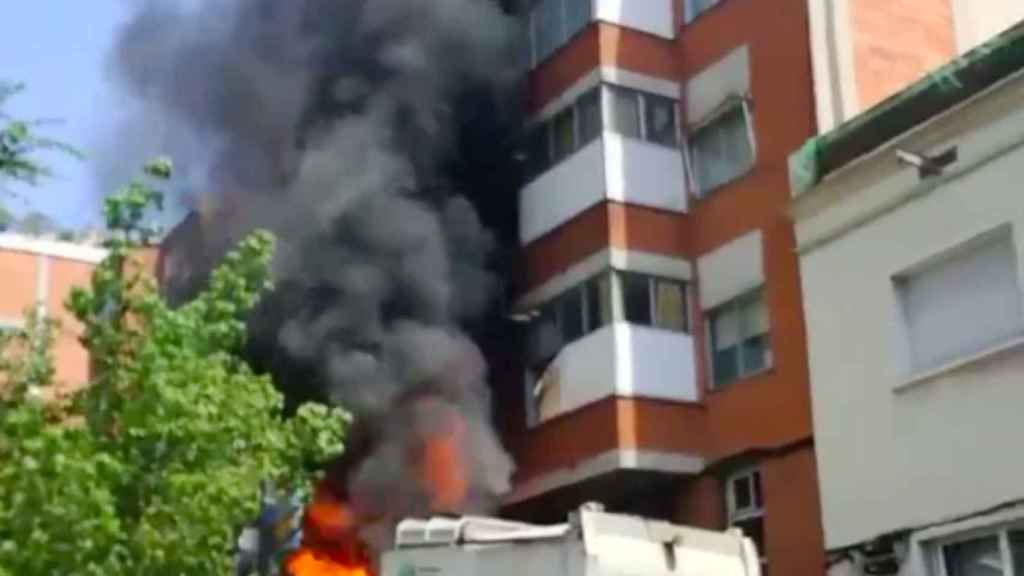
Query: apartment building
x,y
40,274
666,371
909,229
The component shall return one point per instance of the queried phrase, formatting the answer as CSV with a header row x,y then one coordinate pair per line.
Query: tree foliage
x,y
19,141
152,467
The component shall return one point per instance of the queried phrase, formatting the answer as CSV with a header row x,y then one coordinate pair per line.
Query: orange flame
x,y
442,470
330,544
309,562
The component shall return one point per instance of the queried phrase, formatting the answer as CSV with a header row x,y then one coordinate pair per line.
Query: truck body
x,y
591,543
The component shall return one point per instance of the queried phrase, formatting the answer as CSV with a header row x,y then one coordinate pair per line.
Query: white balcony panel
x,y
623,360
610,168
644,174
650,16
567,189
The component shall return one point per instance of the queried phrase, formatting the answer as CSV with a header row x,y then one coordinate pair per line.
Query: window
x,y
599,302
740,344
965,302
641,115
538,150
645,300
1000,553
695,8
722,149
625,111
564,134
577,16
745,506
572,315
630,113
548,16
553,23
651,301
660,120
581,309
589,113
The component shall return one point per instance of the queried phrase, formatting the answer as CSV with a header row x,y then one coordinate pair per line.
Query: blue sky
x,y
58,49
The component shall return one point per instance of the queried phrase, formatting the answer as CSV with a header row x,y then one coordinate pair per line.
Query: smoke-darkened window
x,y
563,135
605,107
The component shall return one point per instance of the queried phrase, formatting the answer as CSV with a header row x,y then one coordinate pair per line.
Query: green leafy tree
x,y
151,468
19,141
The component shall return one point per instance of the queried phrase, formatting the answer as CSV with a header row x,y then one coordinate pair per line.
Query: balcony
x,y
611,167
622,360
614,412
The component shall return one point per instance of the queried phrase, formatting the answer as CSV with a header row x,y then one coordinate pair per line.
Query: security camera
x,y
927,166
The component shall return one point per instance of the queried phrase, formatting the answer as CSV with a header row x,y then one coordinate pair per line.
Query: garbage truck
x,y
592,543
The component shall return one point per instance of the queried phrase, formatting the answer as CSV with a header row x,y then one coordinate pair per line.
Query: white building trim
x,y
53,248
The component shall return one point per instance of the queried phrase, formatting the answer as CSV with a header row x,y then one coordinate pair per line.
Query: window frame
x,y
937,556
735,515
555,306
652,281
617,295
963,248
603,92
737,305
727,107
643,103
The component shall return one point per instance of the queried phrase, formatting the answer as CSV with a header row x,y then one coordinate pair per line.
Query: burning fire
x,y
442,470
331,545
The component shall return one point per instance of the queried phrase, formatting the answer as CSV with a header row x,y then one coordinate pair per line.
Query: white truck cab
x,y
591,543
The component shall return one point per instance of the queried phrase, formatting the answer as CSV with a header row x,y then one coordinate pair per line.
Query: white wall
x,y
651,16
978,21
624,360
612,167
564,191
894,452
644,174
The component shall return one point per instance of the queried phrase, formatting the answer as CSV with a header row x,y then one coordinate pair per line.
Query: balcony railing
x,y
620,359
612,167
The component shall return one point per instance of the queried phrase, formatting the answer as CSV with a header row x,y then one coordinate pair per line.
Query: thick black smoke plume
x,y
340,125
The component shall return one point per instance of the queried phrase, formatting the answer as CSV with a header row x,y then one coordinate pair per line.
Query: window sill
x,y
1012,345
716,388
